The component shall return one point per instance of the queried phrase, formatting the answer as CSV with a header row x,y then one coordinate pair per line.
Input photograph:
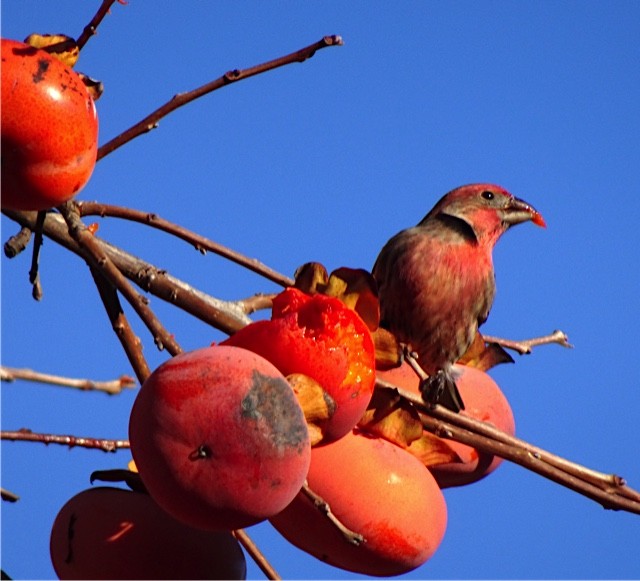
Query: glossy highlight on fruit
x,y
219,439
321,337
375,489
112,533
49,129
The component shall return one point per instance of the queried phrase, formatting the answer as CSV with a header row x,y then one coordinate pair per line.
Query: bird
x,y
436,280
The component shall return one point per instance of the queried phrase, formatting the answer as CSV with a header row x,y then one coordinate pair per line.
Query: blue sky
x,y
324,161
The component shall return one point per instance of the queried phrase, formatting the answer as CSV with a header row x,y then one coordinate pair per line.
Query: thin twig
x,y
223,315
98,259
17,243
524,347
9,496
34,274
257,302
323,506
111,387
245,540
200,243
151,120
25,435
120,324
91,28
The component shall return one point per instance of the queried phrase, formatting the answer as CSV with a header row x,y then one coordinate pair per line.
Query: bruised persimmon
x,y
219,439
112,533
377,490
318,336
49,129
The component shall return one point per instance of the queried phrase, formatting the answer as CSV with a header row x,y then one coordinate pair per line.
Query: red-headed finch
x,y
436,282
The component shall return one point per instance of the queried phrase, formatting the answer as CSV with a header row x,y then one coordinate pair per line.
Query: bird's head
x,y
489,210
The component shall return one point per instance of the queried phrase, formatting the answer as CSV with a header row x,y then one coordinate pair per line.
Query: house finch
x,y
436,282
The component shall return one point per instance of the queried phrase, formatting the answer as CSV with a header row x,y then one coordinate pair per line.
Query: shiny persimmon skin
x,y
484,401
112,533
375,489
219,438
49,129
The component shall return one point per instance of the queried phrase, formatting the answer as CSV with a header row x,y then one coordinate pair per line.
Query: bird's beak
x,y
518,211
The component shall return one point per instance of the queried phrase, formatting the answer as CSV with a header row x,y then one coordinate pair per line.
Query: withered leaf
x,y
390,417
311,278
317,405
129,477
355,287
61,46
483,355
388,351
432,450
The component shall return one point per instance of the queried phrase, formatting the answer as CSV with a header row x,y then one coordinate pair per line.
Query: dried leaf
x,y
483,355
130,478
311,278
61,46
390,417
94,87
432,450
317,405
357,289
388,351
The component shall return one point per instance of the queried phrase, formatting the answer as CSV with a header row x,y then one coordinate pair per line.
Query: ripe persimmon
x,y
49,129
219,439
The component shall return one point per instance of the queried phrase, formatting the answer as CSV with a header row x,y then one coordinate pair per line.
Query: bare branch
x,y
34,274
323,506
223,315
259,559
151,121
91,28
120,324
525,347
201,243
25,435
111,387
17,243
96,258
9,496
607,489
257,302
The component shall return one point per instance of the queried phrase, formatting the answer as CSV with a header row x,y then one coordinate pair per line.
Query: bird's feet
x,y
441,388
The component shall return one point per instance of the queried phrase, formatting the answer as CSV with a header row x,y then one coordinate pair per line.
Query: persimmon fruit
x,y
375,489
318,336
49,129
112,533
219,439
484,401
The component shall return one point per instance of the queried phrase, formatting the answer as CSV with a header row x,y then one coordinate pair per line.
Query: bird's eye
x,y
487,195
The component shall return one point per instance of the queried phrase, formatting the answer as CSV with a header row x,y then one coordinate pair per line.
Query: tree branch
x,y
91,28
259,559
608,489
151,121
223,315
120,324
17,243
111,387
525,347
323,506
200,243
26,435
98,259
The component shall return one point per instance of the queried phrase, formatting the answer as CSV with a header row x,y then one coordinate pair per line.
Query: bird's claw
x,y
440,388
